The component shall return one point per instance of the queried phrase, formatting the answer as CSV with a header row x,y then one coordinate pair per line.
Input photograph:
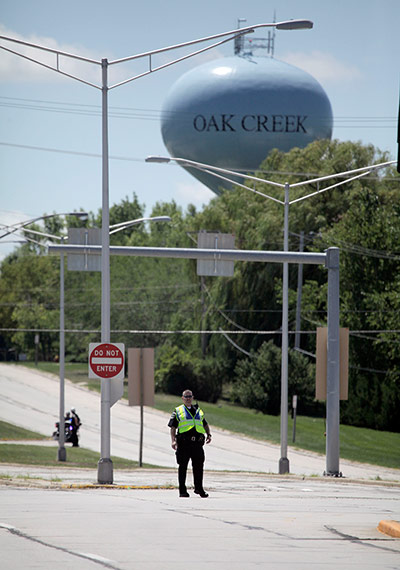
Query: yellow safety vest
x,y
187,421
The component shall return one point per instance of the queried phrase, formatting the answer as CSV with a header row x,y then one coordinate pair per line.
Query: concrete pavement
x,y
250,521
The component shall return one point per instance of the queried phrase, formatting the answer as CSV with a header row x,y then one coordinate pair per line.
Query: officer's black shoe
x,y
202,493
184,494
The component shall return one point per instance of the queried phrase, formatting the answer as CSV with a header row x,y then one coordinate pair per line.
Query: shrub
x,y
178,370
257,382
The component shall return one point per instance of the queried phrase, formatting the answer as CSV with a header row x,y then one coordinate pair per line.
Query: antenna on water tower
x,y
239,41
245,46
271,39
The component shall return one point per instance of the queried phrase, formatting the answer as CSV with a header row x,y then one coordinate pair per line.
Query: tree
x,y
257,381
361,218
368,235
28,301
177,370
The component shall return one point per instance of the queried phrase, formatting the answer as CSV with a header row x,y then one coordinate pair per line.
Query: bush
x,y
257,382
177,370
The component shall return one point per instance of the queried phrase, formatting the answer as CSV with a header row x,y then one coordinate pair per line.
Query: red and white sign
x,y
106,360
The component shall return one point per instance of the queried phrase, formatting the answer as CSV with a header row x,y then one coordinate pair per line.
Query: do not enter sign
x,y
106,360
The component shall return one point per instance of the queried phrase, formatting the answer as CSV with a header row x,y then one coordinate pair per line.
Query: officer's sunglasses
x,y
191,396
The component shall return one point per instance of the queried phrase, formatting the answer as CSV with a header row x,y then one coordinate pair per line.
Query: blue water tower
x,y
231,112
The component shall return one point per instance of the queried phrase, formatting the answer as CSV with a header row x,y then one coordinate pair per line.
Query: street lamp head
x,y
82,215
162,159
124,225
160,219
295,25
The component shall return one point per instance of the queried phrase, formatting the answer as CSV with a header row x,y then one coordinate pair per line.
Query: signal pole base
x,y
61,454
105,471
333,474
283,465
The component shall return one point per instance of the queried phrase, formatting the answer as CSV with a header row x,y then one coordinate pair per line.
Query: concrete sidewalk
x,y
33,475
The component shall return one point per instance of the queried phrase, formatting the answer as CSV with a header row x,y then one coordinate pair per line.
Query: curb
x,y
111,486
392,528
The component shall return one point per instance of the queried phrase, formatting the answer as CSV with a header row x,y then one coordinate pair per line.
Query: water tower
x,y
231,112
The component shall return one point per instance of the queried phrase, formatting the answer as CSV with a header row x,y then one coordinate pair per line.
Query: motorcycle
x,y
71,427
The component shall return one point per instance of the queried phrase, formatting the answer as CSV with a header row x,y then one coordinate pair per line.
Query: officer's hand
x,y
174,445
208,438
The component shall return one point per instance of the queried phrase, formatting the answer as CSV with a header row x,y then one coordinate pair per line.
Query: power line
x,y
132,159
353,248
73,152
192,331
155,114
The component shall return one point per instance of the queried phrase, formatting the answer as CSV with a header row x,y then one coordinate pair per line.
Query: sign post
x,y
141,384
107,362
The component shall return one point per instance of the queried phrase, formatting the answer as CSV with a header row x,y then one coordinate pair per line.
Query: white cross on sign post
x,y
106,360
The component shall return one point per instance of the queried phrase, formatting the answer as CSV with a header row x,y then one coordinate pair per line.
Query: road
x,y
29,398
249,522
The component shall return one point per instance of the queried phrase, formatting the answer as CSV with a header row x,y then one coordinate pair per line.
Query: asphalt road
x,y
248,522
30,399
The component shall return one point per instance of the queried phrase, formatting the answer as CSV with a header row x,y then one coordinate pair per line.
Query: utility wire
x,y
155,114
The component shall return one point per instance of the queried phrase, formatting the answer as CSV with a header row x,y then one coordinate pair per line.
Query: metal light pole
x,y
105,466
22,226
61,454
333,367
331,260
284,461
105,471
332,440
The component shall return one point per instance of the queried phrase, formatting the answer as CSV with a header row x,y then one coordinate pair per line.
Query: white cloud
x,y
195,193
323,66
8,218
11,217
20,69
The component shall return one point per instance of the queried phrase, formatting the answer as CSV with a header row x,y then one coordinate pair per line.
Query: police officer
x,y
188,420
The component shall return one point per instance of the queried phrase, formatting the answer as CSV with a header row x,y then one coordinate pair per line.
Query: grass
x,y
356,444
10,431
40,455
27,454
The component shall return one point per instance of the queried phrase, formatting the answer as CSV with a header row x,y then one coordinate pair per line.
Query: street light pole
x,y
333,369
61,453
105,466
284,461
22,226
332,403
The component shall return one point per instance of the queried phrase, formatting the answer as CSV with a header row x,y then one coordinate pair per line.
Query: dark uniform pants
x,y
193,450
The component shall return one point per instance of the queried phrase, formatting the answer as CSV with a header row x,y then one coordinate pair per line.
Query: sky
x,y
50,125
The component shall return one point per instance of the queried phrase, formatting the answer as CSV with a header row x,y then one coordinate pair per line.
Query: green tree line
x,y
165,304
